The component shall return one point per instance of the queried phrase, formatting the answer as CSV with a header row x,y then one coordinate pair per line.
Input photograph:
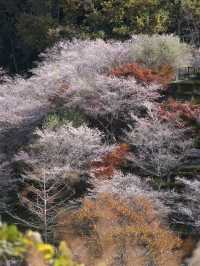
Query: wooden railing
x,y
188,73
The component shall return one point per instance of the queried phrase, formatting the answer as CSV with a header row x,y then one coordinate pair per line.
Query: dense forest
x,y
99,133
28,27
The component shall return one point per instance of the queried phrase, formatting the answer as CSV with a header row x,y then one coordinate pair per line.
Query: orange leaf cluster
x,y
166,73
144,75
108,228
110,162
181,113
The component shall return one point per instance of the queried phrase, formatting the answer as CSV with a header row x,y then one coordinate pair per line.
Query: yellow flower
x,y
47,250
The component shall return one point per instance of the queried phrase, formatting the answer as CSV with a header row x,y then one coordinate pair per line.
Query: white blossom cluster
x,y
83,66
109,97
79,74
125,186
160,148
64,150
184,205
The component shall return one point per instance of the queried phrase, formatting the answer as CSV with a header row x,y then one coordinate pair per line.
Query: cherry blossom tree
x,y
159,148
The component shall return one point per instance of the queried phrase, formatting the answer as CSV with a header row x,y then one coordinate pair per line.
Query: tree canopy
x,y
28,26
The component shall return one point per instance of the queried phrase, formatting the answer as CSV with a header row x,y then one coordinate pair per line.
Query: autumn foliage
x,y
144,75
110,162
113,231
181,113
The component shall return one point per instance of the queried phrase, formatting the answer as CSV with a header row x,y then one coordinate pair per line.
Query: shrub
x,y
111,230
61,117
144,75
160,50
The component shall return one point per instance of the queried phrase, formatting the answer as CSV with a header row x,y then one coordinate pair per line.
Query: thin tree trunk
x,y
45,207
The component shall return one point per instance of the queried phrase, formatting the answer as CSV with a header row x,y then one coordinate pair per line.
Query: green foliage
x,y
34,31
12,242
159,50
61,117
192,5
30,26
117,19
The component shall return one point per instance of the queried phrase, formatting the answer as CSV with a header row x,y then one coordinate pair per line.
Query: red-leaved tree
x,y
145,75
110,162
180,113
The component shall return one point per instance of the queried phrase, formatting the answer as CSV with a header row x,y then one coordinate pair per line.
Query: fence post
x,y
177,75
